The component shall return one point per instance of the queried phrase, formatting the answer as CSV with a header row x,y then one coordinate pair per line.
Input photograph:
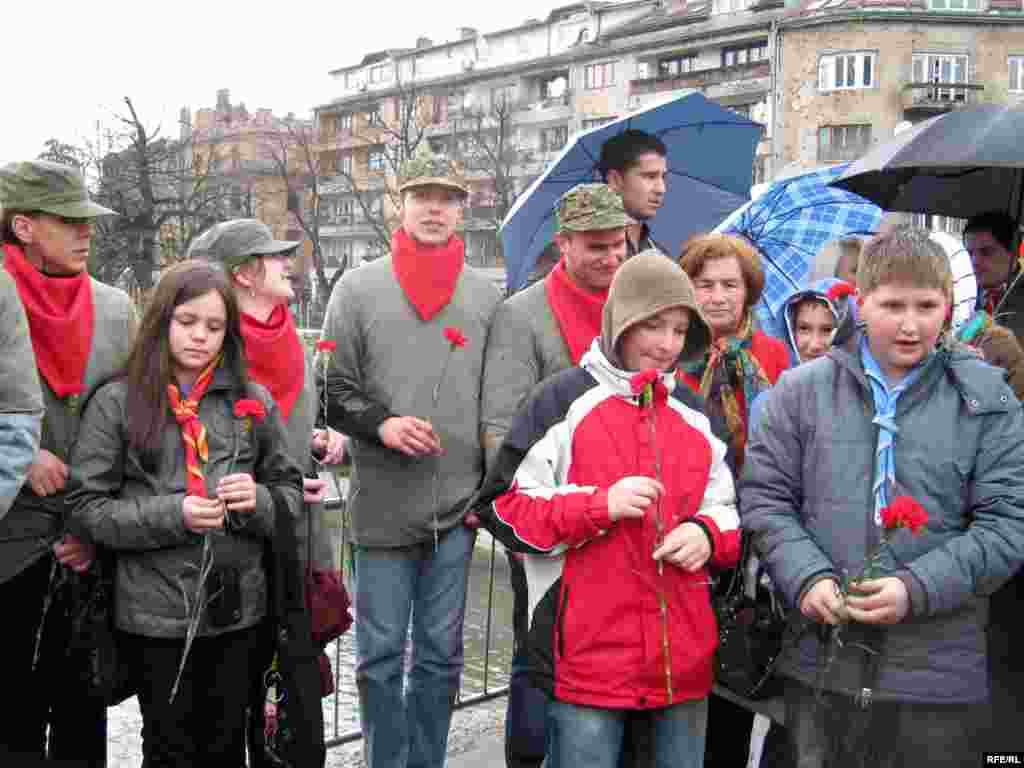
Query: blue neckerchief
x,y
885,418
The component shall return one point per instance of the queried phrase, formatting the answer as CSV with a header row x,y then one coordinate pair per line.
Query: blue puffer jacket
x,y
806,497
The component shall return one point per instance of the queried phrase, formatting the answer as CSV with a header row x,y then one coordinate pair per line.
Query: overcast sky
x,y
68,65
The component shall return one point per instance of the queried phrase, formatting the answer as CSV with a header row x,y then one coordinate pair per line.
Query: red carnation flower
x,y
905,512
326,345
455,336
640,381
249,407
840,291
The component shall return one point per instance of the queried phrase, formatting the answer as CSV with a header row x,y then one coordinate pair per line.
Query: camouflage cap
x,y
425,170
591,206
39,185
234,242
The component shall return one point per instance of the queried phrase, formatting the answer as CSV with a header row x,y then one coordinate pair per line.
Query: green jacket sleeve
x,y
97,510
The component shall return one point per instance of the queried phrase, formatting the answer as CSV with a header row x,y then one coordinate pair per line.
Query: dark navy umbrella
x,y
710,169
964,162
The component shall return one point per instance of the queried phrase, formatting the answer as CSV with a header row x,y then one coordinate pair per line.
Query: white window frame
x,y
1015,66
343,164
848,71
376,160
956,6
684,64
844,133
599,75
952,68
730,6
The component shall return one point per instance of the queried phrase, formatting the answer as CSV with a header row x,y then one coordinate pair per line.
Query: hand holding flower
x,y
238,492
686,546
202,515
328,445
314,490
410,435
823,603
631,496
878,601
74,553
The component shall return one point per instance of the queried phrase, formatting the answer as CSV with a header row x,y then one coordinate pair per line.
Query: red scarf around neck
x,y
193,433
275,356
61,319
577,311
427,274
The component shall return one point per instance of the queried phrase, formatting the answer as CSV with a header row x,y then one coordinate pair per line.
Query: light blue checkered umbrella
x,y
790,222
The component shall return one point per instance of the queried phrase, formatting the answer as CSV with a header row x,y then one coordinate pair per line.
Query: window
x,y
379,74
376,159
554,138
745,54
942,69
596,122
842,143
936,223
953,5
345,122
730,6
344,163
677,65
599,75
373,116
503,96
846,71
1017,73
455,101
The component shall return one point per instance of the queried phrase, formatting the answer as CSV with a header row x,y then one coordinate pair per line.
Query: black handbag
x,y
93,657
752,623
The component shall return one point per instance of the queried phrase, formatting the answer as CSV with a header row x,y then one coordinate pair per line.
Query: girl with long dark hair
x,y
173,470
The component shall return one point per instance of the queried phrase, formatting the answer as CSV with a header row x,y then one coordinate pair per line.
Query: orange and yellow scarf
x,y
193,433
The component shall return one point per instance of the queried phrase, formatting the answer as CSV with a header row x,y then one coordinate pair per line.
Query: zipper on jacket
x,y
561,621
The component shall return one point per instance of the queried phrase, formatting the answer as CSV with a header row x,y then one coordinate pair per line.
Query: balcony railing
x,y
702,78
925,99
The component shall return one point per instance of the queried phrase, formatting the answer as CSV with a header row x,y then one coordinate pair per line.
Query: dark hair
x,y
1000,224
623,151
700,249
148,369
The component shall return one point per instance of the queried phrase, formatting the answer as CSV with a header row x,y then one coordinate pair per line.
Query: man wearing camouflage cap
x,y
541,330
404,384
81,331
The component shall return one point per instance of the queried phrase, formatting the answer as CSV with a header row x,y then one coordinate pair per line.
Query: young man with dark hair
x,y
992,239
634,164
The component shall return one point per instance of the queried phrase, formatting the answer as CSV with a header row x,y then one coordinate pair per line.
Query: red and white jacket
x,y
606,628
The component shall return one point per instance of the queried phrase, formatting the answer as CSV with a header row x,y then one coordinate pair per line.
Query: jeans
x,y
833,731
405,723
592,737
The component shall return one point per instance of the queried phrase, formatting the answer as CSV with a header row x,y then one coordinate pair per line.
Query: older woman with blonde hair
x,y
740,364
742,360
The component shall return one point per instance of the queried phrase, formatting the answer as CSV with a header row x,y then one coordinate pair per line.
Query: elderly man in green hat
x,y
81,331
404,384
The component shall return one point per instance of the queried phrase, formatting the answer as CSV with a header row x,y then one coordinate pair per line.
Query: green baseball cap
x,y
591,206
424,169
234,242
39,185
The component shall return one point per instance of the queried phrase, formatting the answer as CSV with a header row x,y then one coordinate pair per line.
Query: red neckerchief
x,y
61,319
427,274
275,356
577,311
193,433
992,297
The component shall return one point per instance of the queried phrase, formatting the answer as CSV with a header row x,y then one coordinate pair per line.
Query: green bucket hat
x,y
39,185
234,242
591,206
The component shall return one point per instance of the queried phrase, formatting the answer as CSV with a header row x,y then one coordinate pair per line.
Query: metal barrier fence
x,y
485,673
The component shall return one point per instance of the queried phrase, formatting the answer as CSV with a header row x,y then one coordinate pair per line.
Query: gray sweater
x,y
387,363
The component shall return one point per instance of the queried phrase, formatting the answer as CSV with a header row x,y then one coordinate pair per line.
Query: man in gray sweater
x,y
404,383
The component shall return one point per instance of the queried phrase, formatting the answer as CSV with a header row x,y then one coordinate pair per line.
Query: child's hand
x,y
74,553
823,602
202,515
878,601
631,496
314,490
686,546
238,492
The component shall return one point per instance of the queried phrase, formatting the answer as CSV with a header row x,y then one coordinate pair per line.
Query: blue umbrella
x,y
710,163
790,222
